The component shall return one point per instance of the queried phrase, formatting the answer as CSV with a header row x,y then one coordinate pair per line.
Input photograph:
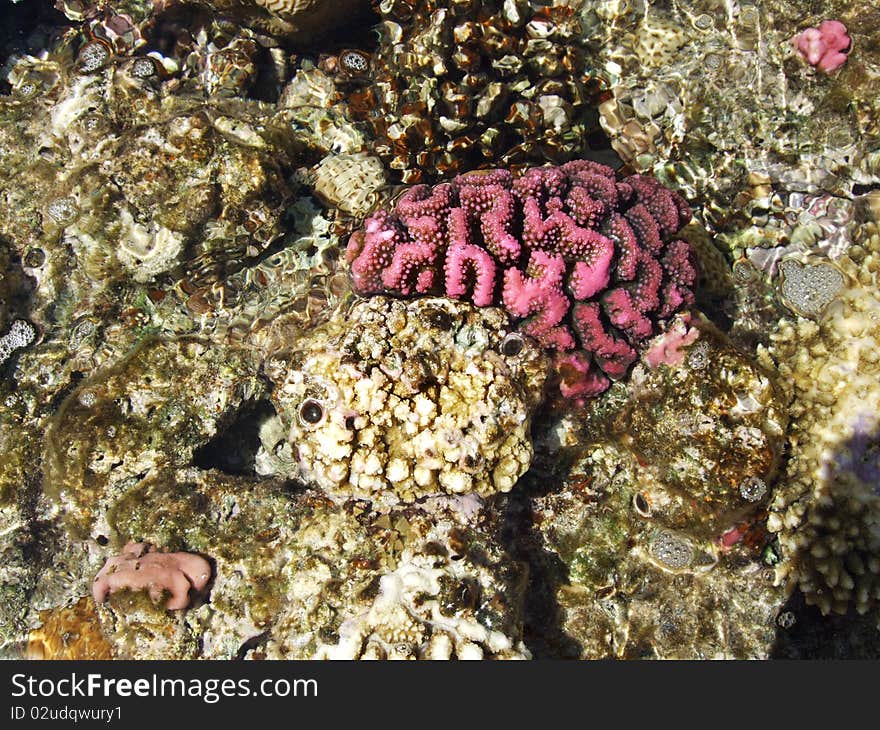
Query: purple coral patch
x,y
586,261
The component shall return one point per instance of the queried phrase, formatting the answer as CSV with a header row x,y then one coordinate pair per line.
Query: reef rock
x,y
297,576
647,510
719,101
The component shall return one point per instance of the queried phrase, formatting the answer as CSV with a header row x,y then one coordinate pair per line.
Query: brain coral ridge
x,y
588,262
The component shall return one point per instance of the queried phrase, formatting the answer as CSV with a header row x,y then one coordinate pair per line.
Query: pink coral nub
x,y
140,568
588,262
825,47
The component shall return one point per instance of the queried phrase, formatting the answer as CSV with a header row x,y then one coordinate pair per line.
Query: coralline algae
x,y
825,47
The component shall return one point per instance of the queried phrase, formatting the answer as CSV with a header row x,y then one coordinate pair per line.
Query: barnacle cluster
x,y
21,334
809,289
456,86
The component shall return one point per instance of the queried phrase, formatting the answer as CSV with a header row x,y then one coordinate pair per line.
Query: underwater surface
x,y
439,329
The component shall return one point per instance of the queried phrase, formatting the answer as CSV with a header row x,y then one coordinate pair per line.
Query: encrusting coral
x,y
140,567
21,334
589,262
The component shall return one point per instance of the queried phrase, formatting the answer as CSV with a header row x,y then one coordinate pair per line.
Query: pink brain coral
x,y
140,568
587,261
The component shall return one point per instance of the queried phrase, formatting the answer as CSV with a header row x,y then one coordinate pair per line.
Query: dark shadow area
x,y
26,28
802,632
357,33
234,448
251,645
542,625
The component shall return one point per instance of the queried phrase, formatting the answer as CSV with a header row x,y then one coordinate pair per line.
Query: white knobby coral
x,y
400,400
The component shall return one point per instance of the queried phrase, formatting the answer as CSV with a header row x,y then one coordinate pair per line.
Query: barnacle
x,y
475,84
21,334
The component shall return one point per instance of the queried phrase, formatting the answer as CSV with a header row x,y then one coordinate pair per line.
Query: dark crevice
x,y
25,28
802,632
251,645
860,189
543,632
233,450
358,33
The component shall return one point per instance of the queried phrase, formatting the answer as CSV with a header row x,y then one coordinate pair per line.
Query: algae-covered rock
x,y
129,422
296,576
648,508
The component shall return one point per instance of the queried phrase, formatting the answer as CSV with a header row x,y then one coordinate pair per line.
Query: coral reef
x,y
414,615
502,428
401,400
127,422
706,423
292,19
139,567
587,260
294,572
136,189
